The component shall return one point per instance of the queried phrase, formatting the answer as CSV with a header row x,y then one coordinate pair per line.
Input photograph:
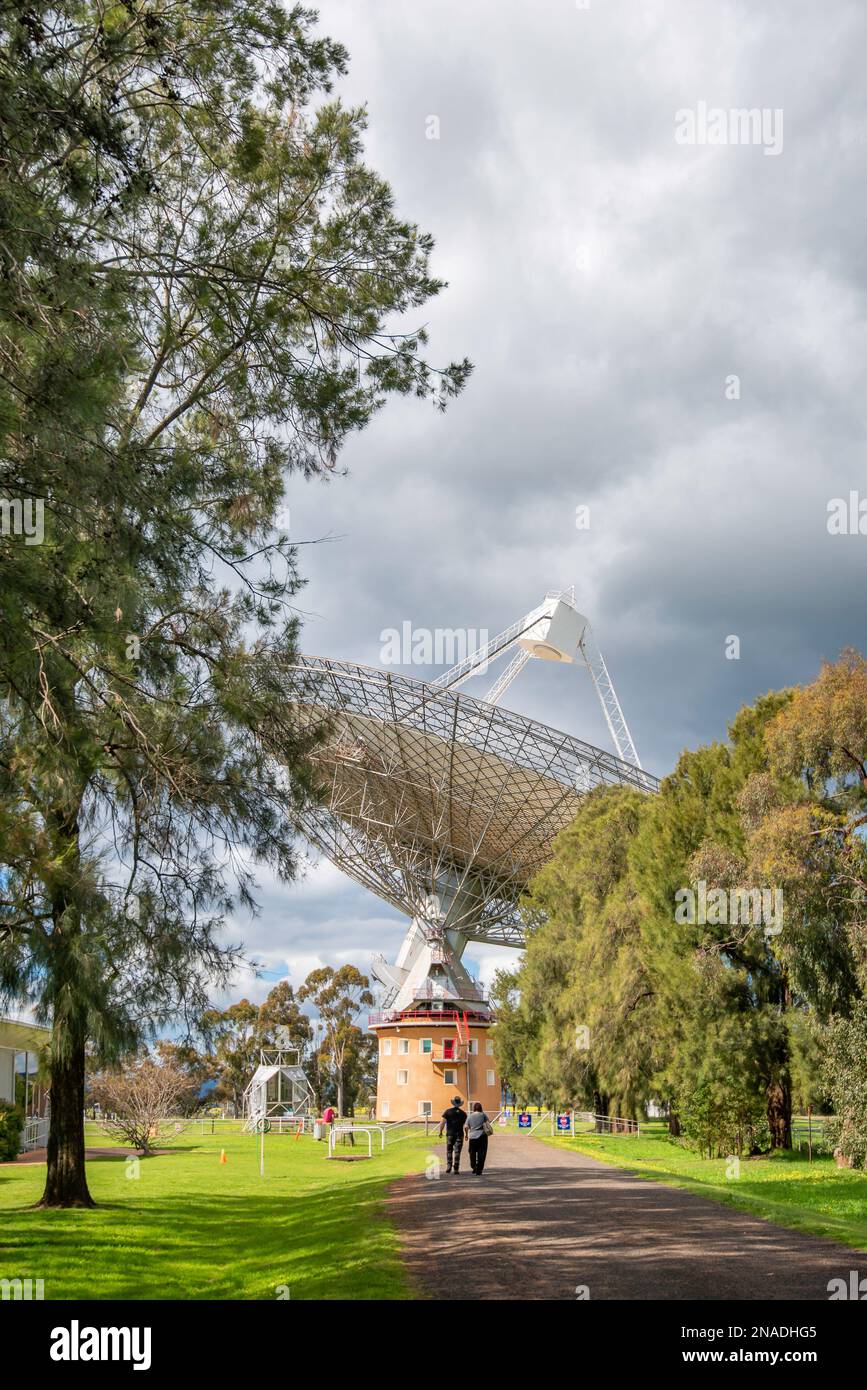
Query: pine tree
x,y
197,275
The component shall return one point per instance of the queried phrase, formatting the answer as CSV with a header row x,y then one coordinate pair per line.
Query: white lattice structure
x,y
279,1094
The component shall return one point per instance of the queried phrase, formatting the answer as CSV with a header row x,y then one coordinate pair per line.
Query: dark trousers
x,y
478,1153
454,1144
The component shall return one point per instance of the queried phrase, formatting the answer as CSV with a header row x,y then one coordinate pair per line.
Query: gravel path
x,y
541,1221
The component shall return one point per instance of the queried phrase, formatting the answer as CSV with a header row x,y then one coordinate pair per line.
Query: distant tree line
x,y
215,1062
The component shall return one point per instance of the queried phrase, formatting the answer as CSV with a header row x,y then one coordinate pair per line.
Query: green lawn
x,y
189,1227
785,1187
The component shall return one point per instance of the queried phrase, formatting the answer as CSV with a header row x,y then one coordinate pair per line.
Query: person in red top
x,y
329,1115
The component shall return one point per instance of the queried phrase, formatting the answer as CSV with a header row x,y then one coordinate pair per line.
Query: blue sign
x,y
564,1124
523,1120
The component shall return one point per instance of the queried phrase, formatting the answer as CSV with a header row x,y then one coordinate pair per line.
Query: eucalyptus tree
x,y
811,838
624,1001
584,978
339,997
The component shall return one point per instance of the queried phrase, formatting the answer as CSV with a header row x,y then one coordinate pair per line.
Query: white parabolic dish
x,y
442,804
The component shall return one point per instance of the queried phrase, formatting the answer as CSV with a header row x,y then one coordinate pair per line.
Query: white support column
x,y
501,685
611,708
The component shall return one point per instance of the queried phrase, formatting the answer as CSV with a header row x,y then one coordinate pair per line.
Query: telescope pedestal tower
x,y
434,1029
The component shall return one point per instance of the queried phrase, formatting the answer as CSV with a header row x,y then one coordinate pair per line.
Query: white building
x,y
20,1046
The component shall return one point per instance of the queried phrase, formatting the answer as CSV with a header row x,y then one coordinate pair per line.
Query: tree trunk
x,y
66,1178
673,1121
340,1093
779,1094
779,1087
600,1105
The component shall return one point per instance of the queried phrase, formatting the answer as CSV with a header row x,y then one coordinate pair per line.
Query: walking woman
x,y
477,1129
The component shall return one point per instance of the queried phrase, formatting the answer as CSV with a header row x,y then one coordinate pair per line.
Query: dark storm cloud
x,y
607,282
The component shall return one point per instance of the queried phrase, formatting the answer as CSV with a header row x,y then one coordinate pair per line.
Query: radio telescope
x,y
445,805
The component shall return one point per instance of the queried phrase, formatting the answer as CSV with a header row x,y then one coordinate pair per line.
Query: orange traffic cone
x,y
222,1155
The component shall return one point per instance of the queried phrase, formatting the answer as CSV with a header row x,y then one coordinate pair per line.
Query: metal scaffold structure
x,y
279,1095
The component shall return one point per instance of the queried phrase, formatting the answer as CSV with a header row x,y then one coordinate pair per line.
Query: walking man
x,y
453,1122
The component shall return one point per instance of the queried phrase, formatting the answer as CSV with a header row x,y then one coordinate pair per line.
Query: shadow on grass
x,y
327,1244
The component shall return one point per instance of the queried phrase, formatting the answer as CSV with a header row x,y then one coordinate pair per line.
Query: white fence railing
x,y
346,1132
35,1134
564,1122
609,1124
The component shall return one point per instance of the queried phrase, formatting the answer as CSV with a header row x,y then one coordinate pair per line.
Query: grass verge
x,y
782,1187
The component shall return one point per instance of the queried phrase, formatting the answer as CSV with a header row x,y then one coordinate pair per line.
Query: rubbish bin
x,y
317,1129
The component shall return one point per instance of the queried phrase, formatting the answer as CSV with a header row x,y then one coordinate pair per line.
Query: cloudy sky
x,y
670,334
